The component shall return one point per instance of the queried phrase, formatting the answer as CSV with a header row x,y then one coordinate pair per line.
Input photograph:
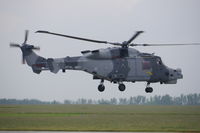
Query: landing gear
x,y
148,89
101,87
121,87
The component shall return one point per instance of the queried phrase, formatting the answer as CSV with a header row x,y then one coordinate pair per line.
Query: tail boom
x,y
39,63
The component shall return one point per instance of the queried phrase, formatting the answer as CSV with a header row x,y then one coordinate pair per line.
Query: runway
x,y
73,132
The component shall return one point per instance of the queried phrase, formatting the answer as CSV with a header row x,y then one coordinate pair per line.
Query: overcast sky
x,y
164,21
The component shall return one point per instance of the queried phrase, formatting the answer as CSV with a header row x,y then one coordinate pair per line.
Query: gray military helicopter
x,y
117,64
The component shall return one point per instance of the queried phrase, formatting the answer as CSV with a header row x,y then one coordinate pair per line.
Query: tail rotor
x,y
25,48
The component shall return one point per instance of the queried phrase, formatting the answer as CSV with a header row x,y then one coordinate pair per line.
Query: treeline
x,y
190,99
26,101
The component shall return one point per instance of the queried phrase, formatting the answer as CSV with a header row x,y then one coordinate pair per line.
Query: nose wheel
x,y
101,87
148,89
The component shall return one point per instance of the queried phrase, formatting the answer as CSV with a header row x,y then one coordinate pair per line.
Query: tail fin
x,y
32,59
37,63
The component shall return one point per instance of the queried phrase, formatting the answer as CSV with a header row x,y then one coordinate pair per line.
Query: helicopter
x,y
117,64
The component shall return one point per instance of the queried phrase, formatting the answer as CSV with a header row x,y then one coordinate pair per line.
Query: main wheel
x,y
101,87
149,90
122,87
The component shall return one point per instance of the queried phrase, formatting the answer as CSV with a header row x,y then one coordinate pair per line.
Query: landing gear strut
x,y
148,89
121,87
101,87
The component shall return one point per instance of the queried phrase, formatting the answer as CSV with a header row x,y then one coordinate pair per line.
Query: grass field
x,y
99,118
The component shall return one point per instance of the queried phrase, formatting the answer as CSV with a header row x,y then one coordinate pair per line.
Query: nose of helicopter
x,y
179,74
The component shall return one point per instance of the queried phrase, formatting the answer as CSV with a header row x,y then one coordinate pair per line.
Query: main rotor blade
x,y
181,44
14,45
78,38
23,59
134,36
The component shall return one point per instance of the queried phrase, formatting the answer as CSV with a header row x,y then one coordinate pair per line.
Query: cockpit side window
x,y
158,61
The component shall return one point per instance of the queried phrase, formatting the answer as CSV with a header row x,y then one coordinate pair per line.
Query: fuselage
x,y
112,64
123,64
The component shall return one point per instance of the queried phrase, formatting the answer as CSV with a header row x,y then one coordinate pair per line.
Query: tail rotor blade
x,y
23,59
14,45
26,36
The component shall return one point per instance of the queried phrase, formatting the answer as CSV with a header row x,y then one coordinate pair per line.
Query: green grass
x,y
100,118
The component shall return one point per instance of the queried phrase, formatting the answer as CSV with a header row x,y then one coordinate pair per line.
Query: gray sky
x,y
164,21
